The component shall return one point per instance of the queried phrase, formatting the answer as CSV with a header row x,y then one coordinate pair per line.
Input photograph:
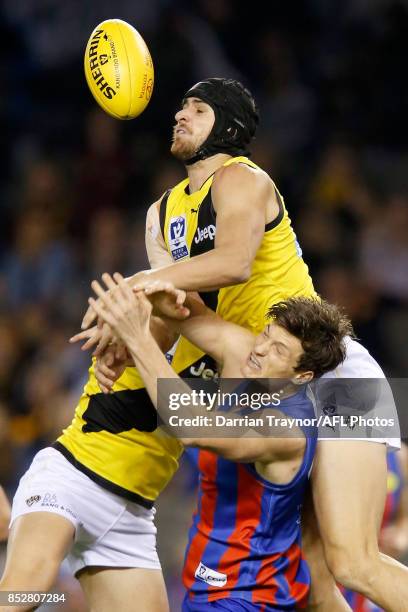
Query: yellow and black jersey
x,y
114,439
188,224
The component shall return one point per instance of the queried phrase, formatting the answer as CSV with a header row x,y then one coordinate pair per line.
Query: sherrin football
x,y
119,69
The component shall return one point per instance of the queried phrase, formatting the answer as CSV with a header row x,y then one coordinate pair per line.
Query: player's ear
x,y
301,378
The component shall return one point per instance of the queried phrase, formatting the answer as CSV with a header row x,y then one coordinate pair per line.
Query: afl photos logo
x,y
177,237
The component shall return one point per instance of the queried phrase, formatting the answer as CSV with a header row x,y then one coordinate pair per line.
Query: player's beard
x,y
183,149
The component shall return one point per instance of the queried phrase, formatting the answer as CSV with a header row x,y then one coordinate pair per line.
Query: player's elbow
x,y
239,271
236,264
243,275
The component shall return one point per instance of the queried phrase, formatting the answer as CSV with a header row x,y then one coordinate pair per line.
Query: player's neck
x,y
199,172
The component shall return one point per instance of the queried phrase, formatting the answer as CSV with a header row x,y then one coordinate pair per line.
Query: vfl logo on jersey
x,y
203,234
210,576
177,237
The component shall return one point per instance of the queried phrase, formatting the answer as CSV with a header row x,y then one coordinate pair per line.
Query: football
x,y
119,69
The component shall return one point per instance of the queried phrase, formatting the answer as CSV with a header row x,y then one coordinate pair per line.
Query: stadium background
x,y
330,80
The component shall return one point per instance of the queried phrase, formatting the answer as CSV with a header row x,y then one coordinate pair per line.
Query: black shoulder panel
x,y
163,208
204,240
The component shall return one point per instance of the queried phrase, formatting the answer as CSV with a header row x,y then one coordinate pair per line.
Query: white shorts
x,y
359,364
110,531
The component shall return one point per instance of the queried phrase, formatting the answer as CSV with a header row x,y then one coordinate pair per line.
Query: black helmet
x,y
236,117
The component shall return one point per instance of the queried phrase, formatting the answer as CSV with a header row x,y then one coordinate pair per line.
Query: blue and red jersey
x,y
357,602
245,540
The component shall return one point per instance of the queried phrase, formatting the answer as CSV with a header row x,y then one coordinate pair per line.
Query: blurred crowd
x,y
75,184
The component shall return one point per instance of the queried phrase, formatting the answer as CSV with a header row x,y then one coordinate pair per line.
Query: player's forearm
x,y
199,328
207,272
232,449
245,444
153,366
248,445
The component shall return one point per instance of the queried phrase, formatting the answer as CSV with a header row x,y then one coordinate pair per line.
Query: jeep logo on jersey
x,y
201,370
206,232
177,237
210,576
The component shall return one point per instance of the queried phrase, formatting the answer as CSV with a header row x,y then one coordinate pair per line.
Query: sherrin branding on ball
x,y
119,69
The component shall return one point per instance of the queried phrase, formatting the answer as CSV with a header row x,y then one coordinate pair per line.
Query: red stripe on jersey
x,y
248,514
298,590
206,522
356,601
360,603
265,581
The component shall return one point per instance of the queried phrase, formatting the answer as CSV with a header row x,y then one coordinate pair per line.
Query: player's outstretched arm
x,y
252,447
239,196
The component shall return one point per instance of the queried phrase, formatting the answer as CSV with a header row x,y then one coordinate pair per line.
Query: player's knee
x,y
353,569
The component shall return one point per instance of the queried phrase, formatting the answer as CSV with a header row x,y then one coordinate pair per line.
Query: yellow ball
x,y
119,69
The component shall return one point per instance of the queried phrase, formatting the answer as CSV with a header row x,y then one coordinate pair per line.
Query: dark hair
x,y
320,327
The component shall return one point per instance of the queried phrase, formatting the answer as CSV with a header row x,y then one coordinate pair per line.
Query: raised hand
x,y
110,366
100,335
90,314
165,298
125,311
